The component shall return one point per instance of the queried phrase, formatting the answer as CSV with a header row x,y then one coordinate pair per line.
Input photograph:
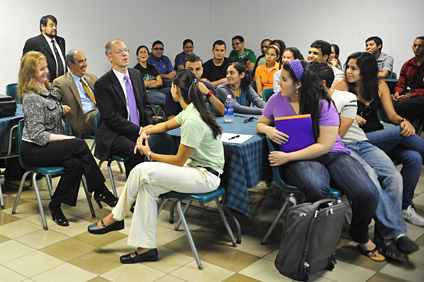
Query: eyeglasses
x,y
249,119
158,49
119,51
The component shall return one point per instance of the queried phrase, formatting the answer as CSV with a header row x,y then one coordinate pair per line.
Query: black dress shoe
x,y
406,245
105,196
57,214
150,255
389,249
94,228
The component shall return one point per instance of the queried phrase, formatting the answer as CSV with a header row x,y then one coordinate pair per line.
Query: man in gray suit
x,y
75,88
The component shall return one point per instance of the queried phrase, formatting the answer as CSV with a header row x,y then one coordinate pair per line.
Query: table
x,y
245,164
5,120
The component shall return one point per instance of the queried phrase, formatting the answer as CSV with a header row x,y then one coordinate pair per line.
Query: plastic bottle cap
x,y
229,96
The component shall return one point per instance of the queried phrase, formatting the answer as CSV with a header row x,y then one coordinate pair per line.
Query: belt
x,y
211,170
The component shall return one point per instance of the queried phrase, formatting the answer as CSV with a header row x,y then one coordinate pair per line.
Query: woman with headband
x,y
264,73
313,168
196,168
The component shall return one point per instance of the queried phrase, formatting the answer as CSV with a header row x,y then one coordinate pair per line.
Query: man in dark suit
x,y
51,45
76,90
125,110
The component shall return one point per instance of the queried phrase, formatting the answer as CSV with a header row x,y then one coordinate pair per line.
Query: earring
x,y
297,94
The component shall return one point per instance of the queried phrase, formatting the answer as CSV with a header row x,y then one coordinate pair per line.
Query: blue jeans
x,y
389,222
313,178
156,97
409,151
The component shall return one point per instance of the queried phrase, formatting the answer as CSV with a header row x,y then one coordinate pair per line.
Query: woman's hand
x,y
139,144
360,120
407,128
276,136
66,109
277,158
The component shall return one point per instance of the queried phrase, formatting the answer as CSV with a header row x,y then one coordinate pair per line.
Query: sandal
x,y
372,254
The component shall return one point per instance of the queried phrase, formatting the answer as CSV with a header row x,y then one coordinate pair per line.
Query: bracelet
x,y
149,156
210,92
403,119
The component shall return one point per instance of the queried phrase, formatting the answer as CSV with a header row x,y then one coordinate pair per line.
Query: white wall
x,y
88,25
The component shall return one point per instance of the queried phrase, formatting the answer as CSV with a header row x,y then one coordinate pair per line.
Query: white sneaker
x,y
411,215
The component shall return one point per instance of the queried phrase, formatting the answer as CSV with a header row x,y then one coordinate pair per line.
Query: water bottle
x,y
229,109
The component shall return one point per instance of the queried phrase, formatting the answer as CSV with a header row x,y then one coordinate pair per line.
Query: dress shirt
x,y
87,104
49,41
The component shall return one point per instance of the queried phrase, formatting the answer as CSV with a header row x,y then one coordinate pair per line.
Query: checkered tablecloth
x,y
5,120
245,164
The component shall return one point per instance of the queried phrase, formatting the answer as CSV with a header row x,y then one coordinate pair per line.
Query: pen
x,y
234,137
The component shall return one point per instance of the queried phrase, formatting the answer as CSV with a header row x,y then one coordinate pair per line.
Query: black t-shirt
x,y
214,73
149,73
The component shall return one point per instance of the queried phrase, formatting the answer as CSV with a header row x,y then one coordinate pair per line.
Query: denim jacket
x,y
42,115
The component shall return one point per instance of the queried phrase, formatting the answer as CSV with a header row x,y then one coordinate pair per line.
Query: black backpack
x,y
310,237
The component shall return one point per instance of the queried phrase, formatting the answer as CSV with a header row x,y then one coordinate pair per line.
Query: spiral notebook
x,y
299,130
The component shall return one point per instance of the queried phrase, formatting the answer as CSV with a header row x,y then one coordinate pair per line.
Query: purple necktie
x,y
132,105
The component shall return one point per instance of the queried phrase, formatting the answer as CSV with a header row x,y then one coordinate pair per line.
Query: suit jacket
x,y
111,102
40,44
68,93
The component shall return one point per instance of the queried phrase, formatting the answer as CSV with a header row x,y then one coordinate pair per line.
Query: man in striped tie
x,y
75,88
124,107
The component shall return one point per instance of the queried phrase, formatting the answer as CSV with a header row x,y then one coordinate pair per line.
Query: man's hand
x,y
360,120
66,109
404,97
203,89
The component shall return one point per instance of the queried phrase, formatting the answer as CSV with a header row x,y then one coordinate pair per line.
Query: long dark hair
x,y
368,69
247,79
188,83
311,92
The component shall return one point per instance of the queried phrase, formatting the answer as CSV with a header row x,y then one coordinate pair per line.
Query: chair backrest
x,y
12,91
276,172
21,125
393,75
162,143
9,145
267,93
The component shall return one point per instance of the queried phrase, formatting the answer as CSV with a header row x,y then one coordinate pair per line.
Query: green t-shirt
x,y
195,133
243,57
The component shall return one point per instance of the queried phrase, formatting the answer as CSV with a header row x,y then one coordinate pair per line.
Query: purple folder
x,y
299,130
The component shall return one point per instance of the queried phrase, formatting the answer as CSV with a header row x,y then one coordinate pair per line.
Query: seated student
x,y
320,52
260,60
241,54
312,168
188,48
196,168
239,88
289,54
162,63
152,79
215,70
194,64
334,56
281,45
390,227
264,73
399,142
373,45
409,91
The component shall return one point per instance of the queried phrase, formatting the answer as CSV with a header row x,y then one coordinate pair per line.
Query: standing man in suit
x,y
51,45
75,88
125,110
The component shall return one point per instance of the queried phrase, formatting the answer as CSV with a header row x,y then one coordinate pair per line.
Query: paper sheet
x,y
235,138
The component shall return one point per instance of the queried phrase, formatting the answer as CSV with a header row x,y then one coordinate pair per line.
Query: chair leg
x,y
171,212
161,204
40,204
49,184
92,146
88,195
120,167
188,234
230,214
18,195
1,198
274,223
112,180
224,219
187,206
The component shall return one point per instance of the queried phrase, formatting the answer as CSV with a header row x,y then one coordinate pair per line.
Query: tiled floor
x,y
28,253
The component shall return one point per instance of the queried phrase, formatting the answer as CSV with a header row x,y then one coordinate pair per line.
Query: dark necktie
x,y
132,105
59,63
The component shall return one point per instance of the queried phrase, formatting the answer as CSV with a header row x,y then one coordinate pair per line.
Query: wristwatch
x,y
149,156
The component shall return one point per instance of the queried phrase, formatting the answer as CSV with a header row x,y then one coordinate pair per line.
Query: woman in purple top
x,y
313,168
